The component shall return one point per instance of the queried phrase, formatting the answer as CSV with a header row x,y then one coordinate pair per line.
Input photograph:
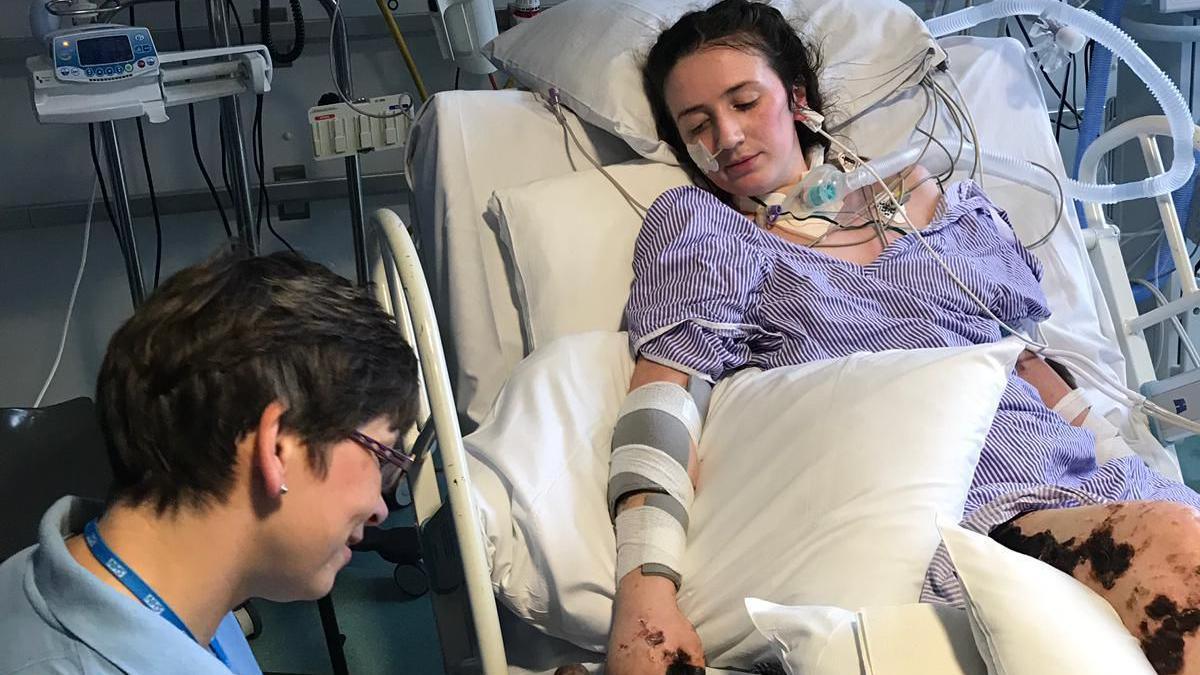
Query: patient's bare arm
x,y
649,635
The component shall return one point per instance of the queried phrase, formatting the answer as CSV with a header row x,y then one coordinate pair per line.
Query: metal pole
x,y
124,224
231,129
358,225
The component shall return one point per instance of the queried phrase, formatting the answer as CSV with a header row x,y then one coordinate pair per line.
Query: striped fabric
x,y
713,293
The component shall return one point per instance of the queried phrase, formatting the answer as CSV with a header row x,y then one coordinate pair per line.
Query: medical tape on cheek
x,y
650,539
703,158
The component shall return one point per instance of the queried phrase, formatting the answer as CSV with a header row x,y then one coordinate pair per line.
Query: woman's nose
x,y
729,134
379,512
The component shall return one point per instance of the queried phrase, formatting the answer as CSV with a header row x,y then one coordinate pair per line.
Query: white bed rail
x,y
404,292
1103,243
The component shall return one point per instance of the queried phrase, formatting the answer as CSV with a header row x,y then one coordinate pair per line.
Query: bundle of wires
x,y
195,139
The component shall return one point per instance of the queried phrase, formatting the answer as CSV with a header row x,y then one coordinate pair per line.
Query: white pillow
x,y
914,639
565,235
854,458
810,640
1030,619
592,51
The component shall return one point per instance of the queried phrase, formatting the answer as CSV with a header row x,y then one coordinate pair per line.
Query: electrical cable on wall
x,y
264,199
265,32
158,231
398,38
62,342
212,189
334,17
112,219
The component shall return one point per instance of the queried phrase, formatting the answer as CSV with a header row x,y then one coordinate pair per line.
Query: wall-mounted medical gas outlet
x,y
339,130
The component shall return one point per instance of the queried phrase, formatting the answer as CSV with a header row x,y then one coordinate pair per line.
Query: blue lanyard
x,y
140,589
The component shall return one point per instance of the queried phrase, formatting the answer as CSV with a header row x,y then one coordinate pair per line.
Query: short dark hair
x,y
190,373
1061,370
740,24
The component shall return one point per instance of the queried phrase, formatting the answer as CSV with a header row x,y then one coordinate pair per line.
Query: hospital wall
x,y
50,164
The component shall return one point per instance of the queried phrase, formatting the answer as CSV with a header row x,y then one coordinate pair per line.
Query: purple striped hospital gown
x,y
713,293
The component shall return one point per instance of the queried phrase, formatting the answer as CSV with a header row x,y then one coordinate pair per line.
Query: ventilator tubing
x,y
1122,46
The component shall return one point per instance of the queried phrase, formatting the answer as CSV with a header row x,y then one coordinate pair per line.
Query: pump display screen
x,y
109,49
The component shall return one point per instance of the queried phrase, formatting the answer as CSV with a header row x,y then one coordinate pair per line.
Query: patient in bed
x,y
719,287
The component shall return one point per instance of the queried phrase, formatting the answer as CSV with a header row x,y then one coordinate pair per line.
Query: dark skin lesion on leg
x,y
1163,631
1110,560
1164,646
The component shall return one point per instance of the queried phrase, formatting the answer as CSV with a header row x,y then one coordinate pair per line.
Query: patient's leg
x,y
1142,557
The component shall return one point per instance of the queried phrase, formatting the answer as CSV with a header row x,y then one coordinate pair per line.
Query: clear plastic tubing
x,y
1178,115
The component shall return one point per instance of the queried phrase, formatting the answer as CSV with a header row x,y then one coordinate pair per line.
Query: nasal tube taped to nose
x,y
702,157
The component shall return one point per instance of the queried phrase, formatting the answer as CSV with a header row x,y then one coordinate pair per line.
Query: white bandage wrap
x,y
658,427
1070,406
1074,404
658,467
648,536
669,398
1101,428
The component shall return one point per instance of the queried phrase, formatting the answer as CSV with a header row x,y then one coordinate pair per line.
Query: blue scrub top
x,y
59,618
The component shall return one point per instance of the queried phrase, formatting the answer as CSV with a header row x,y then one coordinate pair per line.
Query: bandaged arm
x,y
1071,406
652,473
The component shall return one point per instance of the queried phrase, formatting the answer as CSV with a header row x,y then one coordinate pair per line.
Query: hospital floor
x,y
386,631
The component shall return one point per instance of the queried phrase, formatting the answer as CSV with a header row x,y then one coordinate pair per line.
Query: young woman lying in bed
x,y
721,283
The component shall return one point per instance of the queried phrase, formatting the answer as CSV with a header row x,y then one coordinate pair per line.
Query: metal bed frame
x,y
1102,239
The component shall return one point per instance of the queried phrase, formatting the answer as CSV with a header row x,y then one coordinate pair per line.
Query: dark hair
x,y
740,24
190,373
1061,370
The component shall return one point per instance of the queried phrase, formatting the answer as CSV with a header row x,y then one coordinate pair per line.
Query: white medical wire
x,y
977,173
62,343
1061,208
556,110
1151,249
1080,365
337,11
1183,336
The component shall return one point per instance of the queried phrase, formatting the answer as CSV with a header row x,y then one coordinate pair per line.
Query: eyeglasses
x,y
385,453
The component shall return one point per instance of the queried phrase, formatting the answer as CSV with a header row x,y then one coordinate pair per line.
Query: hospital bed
x,y
456,296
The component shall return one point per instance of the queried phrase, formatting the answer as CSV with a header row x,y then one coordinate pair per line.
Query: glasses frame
x,y
385,453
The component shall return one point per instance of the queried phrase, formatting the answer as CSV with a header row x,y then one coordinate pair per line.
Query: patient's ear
x,y
799,99
272,454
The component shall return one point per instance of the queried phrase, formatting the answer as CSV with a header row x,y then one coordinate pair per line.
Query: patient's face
x,y
731,100
322,516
